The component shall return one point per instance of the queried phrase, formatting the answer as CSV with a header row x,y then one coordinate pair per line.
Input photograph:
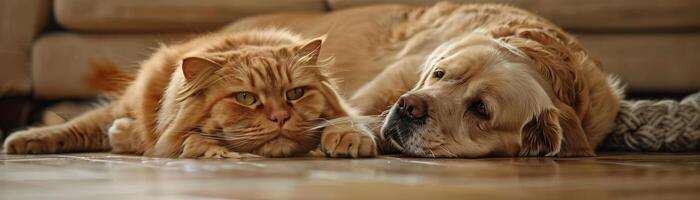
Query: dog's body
x,y
470,80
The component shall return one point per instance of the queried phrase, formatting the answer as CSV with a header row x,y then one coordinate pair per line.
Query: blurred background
x,y
47,46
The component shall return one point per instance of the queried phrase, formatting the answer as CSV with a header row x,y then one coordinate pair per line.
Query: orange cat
x,y
224,95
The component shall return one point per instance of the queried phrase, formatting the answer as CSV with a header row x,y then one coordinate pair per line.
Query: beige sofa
x,y
653,45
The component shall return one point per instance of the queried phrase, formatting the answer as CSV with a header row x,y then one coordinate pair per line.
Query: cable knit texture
x,y
665,125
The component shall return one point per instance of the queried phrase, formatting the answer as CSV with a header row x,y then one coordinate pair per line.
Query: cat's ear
x,y
195,66
311,50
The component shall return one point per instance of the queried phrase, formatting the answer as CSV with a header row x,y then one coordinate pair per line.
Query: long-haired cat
x,y
223,95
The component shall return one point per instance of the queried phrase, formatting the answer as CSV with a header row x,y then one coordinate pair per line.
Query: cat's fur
x,y
188,100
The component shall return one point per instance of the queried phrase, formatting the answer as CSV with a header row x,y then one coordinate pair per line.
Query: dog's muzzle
x,y
408,114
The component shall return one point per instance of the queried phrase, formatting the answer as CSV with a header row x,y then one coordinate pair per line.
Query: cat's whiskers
x,y
364,120
230,129
252,133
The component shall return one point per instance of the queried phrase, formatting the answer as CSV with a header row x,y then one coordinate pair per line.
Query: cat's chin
x,y
282,147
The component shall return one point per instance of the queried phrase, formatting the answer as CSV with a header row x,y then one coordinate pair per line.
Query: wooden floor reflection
x,y
109,176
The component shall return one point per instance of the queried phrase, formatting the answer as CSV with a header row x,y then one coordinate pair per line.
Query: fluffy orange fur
x,y
224,95
452,81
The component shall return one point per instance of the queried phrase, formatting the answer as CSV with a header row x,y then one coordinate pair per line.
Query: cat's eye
x,y
295,93
438,74
246,98
481,109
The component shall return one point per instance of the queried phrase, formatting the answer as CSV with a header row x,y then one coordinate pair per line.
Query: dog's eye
x,y
438,74
481,110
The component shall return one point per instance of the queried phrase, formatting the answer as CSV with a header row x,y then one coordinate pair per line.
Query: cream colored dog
x,y
464,80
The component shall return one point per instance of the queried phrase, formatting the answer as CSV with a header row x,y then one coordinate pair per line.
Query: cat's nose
x,y
280,116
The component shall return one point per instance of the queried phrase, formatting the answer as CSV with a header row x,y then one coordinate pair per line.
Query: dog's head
x,y
487,96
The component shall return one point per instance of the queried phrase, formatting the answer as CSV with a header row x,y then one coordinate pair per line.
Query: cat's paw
x,y
31,142
120,135
196,146
217,152
345,141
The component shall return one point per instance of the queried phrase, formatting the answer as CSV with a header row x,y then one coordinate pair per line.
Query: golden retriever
x,y
464,80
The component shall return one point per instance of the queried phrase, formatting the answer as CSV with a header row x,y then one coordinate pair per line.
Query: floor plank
x,y
110,176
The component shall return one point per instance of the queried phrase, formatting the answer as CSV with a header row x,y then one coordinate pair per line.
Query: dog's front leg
x,y
382,92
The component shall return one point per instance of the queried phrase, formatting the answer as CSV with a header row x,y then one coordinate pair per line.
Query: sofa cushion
x,y
649,62
61,61
591,15
166,15
20,21
667,62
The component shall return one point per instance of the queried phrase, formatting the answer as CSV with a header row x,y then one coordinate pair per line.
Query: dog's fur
x,y
543,94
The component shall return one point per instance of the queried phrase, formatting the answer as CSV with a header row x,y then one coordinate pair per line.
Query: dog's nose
x,y
413,106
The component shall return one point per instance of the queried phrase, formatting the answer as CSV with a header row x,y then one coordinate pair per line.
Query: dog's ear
x,y
555,132
542,136
556,56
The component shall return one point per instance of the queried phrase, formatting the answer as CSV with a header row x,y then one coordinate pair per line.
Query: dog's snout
x,y
406,118
413,106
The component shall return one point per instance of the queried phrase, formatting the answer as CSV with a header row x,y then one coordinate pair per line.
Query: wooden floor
x,y
109,176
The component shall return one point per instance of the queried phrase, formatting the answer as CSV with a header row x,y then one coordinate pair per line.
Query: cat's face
x,y
266,100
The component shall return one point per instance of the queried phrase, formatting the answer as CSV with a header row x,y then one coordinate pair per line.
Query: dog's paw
x,y
345,141
31,142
